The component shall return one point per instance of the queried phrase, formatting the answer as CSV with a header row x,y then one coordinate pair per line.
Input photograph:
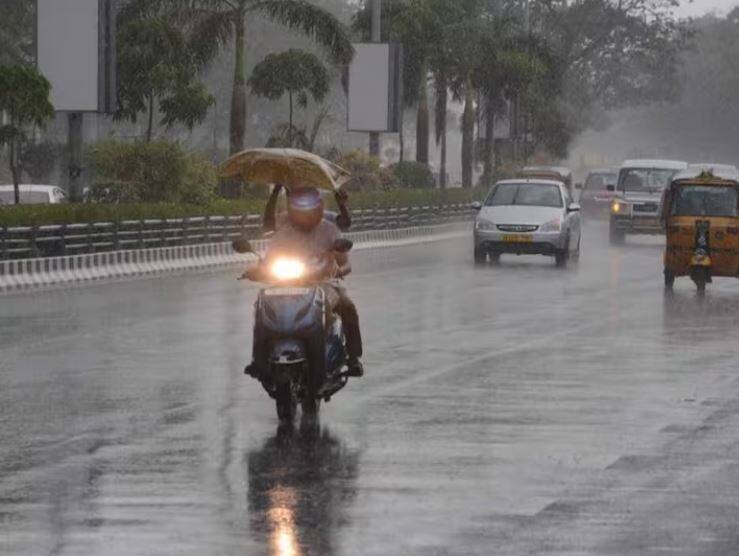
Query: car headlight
x,y
551,226
484,225
617,207
287,269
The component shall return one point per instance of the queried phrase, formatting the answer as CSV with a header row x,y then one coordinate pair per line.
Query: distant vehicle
x,y
636,206
556,173
595,197
528,217
701,216
714,168
33,194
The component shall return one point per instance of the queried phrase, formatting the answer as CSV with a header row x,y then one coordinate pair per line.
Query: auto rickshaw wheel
x,y
701,278
669,279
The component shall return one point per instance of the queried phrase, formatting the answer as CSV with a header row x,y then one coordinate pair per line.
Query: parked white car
x,y
528,217
33,194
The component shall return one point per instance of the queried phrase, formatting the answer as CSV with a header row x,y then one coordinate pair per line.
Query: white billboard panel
x,y
68,42
374,88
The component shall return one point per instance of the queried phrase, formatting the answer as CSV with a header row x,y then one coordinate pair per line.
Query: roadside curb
x,y
25,275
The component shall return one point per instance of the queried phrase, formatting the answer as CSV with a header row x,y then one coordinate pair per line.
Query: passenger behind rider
x,y
305,230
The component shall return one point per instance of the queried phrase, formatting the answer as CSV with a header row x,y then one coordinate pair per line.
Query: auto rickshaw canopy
x,y
288,167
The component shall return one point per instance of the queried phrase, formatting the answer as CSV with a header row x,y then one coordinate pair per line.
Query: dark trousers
x,y
350,318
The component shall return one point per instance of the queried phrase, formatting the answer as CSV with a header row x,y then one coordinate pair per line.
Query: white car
x,y
33,194
528,217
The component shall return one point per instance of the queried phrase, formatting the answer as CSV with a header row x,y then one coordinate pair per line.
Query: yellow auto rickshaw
x,y
700,212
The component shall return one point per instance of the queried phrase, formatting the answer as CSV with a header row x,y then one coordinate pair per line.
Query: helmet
x,y
305,208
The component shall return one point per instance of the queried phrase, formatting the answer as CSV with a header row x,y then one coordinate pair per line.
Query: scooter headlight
x,y
287,269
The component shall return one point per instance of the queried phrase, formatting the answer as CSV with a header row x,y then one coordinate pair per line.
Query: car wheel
x,y
495,258
575,255
481,255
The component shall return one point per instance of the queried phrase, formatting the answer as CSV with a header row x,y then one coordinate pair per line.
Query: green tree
x,y
24,98
211,24
16,31
156,67
294,72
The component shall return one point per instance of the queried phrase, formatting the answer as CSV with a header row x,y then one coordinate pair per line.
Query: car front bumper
x,y
534,243
637,224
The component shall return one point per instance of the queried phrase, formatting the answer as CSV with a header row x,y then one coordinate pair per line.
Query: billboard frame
x,y
394,93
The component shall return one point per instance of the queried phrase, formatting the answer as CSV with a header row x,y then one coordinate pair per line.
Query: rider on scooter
x,y
305,230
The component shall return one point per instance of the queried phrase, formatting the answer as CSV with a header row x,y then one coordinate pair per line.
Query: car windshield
x,y
695,200
644,179
599,182
525,194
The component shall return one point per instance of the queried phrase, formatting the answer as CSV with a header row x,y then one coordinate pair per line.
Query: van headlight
x,y
484,225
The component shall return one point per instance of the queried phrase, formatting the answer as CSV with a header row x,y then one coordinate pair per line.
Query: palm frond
x,y
312,21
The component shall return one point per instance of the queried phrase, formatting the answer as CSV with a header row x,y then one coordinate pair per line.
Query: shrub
x,y
365,170
156,172
68,213
415,175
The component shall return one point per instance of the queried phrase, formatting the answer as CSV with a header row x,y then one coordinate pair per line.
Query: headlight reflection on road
x,y
284,538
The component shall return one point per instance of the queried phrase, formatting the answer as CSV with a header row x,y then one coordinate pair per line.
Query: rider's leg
x,y
350,320
256,367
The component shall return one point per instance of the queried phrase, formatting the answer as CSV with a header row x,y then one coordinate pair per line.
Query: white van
x,y
636,205
33,194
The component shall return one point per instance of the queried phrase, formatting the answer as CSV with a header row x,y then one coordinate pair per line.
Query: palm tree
x,y
212,24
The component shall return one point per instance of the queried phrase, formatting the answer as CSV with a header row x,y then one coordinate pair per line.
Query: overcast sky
x,y
700,7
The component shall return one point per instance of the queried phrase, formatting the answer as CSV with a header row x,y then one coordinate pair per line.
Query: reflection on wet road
x,y
508,409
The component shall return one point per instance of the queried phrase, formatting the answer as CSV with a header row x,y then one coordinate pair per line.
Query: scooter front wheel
x,y
311,406
286,403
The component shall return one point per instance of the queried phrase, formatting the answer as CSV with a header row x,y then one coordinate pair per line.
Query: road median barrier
x,y
24,275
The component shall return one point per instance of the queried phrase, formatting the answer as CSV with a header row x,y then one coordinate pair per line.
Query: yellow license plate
x,y
517,238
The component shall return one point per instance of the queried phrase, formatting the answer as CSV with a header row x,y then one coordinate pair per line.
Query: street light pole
x,y
376,5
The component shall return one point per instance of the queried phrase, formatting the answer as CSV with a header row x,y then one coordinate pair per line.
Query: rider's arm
x,y
344,220
255,273
343,264
270,221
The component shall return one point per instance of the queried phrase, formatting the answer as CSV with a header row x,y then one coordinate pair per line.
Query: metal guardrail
x,y
101,237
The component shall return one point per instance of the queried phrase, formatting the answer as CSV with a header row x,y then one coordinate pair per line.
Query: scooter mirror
x,y
242,246
343,245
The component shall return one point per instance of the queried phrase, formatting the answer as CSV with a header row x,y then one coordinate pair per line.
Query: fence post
x,y
34,243
90,237
3,243
183,230
116,237
163,232
141,234
206,229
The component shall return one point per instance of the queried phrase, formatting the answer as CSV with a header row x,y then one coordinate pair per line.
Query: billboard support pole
x,y
374,138
74,137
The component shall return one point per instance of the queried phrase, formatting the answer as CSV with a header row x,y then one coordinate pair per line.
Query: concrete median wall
x,y
18,276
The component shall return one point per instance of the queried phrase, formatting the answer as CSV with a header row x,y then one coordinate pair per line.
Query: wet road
x,y
517,409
